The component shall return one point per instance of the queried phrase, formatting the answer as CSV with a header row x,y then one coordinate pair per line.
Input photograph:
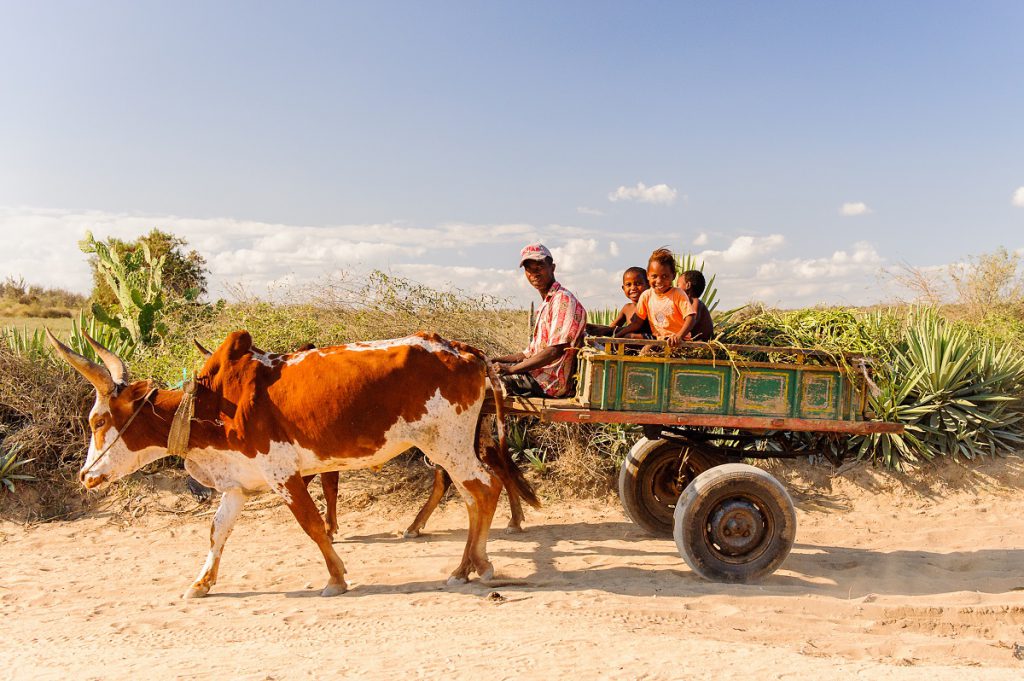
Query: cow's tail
x,y
507,468
501,460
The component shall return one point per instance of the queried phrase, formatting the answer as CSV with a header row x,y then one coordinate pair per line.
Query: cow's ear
x,y
238,344
136,391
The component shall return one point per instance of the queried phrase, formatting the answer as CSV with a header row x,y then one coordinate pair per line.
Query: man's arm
x,y
542,358
510,359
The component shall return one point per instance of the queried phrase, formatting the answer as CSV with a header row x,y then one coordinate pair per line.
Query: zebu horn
x,y
118,371
96,374
206,353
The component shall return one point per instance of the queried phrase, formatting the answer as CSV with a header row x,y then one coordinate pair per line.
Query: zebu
x,y
264,421
329,483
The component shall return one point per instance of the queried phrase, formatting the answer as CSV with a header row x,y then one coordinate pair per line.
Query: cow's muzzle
x,y
92,480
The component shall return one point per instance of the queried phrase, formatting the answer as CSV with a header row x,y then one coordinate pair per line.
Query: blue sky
x,y
799,147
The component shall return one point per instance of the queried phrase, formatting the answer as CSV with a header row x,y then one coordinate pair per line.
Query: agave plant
x,y
957,395
602,317
26,343
108,336
710,296
9,462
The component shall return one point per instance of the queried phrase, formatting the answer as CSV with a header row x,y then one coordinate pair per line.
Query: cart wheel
x,y
734,523
650,482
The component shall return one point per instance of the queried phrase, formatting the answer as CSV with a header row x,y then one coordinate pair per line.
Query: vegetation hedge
x,y
956,384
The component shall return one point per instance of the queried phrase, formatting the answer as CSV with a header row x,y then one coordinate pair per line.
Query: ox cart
x,y
701,418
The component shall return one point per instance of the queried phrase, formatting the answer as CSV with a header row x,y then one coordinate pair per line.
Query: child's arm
x,y
631,327
621,319
688,322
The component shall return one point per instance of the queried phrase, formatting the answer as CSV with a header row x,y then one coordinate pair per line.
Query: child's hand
x,y
674,340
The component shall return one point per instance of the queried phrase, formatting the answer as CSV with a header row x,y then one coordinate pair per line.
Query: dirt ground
x,y
910,581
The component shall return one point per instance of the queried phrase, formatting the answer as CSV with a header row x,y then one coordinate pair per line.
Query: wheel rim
x,y
738,529
663,483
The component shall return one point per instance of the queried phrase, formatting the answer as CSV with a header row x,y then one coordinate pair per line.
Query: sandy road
x,y
881,582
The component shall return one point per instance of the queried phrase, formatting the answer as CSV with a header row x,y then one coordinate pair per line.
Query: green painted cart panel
x,y
621,382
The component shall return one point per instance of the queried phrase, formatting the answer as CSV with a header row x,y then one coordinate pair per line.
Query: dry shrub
x,y
577,468
43,410
335,311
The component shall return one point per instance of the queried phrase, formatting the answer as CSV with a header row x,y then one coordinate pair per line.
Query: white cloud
x,y
701,239
854,208
1018,197
264,259
588,211
659,193
577,255
745,248
41,245
861,260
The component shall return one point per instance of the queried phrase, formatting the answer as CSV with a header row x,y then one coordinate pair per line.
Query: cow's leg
x,y
442,481
231,503
329,481
480,489
305,511
515,523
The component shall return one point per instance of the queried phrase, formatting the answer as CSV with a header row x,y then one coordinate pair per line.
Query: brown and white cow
x,y
441,484
265,420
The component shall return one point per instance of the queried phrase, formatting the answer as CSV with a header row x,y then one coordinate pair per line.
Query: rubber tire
x,y
722,483
647,456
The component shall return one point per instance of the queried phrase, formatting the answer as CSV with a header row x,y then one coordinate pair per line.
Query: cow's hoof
x,y
334,590
488,573
196,592
514,529
457,581
411,534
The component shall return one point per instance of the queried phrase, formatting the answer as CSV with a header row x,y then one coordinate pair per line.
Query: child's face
x,y
633,284
660,276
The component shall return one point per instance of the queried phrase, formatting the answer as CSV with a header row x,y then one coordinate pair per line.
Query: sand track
x,y
883,580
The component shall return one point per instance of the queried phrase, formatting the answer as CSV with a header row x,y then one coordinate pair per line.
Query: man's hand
x,y
502,368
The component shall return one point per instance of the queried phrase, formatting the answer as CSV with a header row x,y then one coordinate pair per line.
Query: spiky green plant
x,y
26,342
9,462
108,336
603,317
687,262
957,395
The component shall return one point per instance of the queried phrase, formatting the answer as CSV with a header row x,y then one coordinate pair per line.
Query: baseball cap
x,y
533,252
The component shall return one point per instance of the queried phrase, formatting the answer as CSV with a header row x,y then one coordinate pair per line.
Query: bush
x,y
43,412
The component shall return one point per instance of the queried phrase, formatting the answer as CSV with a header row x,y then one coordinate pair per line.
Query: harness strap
x,y
120,431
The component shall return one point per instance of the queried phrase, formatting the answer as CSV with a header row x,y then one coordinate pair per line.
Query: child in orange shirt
x,y
666,308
